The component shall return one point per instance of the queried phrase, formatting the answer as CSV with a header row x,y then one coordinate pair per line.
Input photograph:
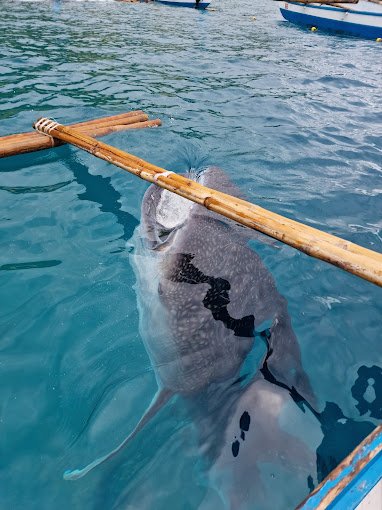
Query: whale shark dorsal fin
x,y
162,396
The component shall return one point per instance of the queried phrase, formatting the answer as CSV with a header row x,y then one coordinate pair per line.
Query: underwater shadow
x,y
100,190
341,434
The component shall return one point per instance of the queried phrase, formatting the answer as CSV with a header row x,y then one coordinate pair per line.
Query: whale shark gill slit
x,y
217,297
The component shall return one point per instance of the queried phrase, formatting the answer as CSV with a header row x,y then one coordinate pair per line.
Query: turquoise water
x,y
294,118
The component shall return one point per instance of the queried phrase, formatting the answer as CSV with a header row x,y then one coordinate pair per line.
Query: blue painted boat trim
x,y
331,25
200,5
329,8
360,487
357,475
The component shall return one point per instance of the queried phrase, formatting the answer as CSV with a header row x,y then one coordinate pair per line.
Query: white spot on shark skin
x,y
172,209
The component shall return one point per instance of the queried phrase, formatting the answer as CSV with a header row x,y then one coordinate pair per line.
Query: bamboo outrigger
x,y
351,257
29,142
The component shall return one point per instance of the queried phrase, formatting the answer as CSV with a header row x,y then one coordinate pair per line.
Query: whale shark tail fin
x,y
162,396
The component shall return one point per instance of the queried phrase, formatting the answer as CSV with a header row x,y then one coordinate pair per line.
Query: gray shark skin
x,y
250,440
203,297
202,292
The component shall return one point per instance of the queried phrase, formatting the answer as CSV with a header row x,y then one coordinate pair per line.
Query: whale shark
x,y
204,298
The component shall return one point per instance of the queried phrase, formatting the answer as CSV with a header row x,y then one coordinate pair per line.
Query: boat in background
x,y
196,4
362,19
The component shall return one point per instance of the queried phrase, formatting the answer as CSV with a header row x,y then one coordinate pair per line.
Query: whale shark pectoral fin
x,y
282,365
162,396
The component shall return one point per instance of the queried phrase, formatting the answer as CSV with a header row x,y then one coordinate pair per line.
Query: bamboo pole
x,y
131,119
351,257
21,143
109,120
106,130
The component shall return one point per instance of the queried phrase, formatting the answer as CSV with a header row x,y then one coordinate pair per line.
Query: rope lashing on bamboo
x,y
163,174
351,257
45,126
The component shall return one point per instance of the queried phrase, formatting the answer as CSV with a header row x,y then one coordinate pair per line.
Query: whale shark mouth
x,y
172,209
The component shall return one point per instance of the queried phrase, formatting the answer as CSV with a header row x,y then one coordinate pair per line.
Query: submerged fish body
x,y
253,450
203,296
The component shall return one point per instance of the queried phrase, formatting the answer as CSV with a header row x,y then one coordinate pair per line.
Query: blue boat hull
x,y
332,25
363,20
193,4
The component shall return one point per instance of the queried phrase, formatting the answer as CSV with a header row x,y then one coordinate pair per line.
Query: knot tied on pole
x,y
45,125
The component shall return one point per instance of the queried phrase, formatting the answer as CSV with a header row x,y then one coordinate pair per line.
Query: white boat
x,y
196,4
363,19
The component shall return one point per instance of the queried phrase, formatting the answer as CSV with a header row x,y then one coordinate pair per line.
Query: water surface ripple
x,y
295,119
